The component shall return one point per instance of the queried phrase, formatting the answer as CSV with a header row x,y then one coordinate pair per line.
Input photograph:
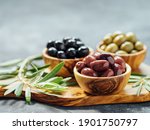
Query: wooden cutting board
x,y
75,96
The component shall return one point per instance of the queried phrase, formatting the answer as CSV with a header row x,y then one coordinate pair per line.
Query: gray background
x,y
26,26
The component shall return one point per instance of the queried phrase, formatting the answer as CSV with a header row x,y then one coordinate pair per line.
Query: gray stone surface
x,y
26,25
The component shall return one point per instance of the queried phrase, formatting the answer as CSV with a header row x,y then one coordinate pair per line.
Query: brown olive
x,y
97,55
127,46
133,51
107,39
120,52
118,70
111,48
139,45
120,61
107,57
80,65
107,73
119,39
99,65
103,47
130,36
88,59
88,72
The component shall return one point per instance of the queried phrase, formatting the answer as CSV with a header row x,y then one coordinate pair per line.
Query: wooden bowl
x,y
103,85
69,64
134,60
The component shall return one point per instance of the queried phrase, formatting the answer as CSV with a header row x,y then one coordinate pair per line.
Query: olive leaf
x,y
10,63
7,82
2,77
18,90
53,72
28,95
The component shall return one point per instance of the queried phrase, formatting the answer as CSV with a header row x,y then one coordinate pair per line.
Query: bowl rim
x,y
58,59
128,70
135,54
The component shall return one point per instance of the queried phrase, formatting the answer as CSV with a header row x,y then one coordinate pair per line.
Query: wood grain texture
x,y
103,85
75,96
134,60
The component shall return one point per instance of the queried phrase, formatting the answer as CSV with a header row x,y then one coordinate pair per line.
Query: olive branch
x,y
18,75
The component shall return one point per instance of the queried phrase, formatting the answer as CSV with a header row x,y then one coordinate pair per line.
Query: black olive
x,y
71,53
61,54
52,52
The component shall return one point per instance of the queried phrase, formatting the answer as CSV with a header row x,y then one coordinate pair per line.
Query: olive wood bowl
x,y
67,69
134,60
103,85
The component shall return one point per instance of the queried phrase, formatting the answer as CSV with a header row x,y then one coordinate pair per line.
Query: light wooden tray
x,y
75,96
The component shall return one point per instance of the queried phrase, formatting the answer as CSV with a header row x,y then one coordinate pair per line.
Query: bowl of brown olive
x,y
125,45
101,74
69,50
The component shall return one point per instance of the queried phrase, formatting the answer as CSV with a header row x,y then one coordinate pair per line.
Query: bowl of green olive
x,y
125,45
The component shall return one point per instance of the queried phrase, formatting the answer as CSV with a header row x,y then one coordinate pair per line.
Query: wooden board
x,y
75,96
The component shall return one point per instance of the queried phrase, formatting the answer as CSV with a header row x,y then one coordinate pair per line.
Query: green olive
x,y
111,48
121,52
103,47
130,36
119,39
133,51
107,39
127,46
139,45
116,34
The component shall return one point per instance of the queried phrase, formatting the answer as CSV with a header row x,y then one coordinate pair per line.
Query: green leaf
x,y
51,86
66,79
7,82
135,77
10,63
39,68
133,80
18,90
55,80
70,84
3,77
54,71
138,74
147,87
11,88
37,77
34,66
139,89
12,71
28,95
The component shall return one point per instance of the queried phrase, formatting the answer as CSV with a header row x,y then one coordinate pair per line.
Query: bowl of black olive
x,y
70,50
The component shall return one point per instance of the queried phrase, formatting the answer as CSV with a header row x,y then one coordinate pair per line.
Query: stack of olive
x,y
101,65
68,48
121,43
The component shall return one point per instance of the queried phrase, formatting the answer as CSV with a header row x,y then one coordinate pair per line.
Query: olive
x,y
139,45
107,39
119,39
99,65
50,44
121,52
116,34
97,55
80,65
71,43
118,70
82,51
130,36
133,51
111,48
61,55
107,57
52,51
71,53
88,59
88,72
103,47
127,46
120,61
60,45
79,44
66,39
107,73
